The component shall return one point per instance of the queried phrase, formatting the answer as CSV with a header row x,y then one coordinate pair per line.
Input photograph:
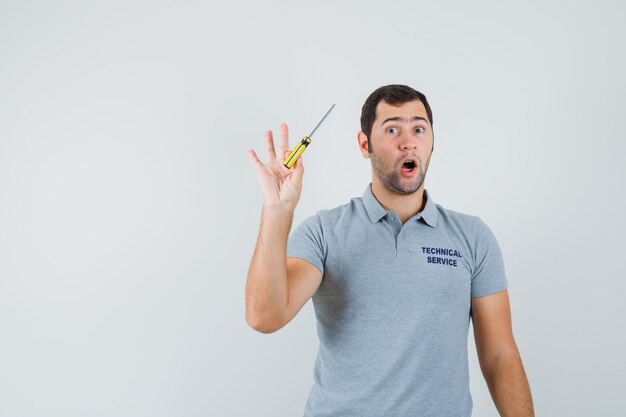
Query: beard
x,y
393,181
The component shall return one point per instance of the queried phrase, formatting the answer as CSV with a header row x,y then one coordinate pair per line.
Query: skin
x,y
280,186
410,134
392,142
278,287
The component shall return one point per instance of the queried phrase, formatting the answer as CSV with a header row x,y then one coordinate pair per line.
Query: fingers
x,y
285,155
269,145
255,159
298,171
284,139
298,165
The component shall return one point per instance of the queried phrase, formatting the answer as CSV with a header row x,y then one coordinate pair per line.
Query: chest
x,y
386,270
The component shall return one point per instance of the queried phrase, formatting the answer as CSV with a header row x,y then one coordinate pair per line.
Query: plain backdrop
x,y
129,209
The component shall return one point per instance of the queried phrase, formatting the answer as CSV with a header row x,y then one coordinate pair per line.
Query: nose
x,y
408,142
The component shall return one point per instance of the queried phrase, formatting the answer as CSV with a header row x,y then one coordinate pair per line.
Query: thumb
x,y
298,171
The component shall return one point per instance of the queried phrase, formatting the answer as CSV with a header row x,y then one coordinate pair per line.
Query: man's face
x,y
399,134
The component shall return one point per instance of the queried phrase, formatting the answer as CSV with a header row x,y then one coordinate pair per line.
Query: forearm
x,y
267,286
509,387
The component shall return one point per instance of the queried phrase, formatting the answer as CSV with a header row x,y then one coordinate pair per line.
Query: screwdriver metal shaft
x,y
302,145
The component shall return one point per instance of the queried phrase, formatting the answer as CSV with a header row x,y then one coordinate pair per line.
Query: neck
x,y
404,205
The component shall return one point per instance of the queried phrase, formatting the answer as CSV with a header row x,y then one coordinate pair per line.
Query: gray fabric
x,y
393,308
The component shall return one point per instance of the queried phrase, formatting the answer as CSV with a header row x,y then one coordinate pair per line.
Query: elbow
x,y
262,324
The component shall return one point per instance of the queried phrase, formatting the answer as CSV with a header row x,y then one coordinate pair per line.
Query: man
x,y
394,278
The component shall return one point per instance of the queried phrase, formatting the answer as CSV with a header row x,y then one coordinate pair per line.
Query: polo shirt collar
x,y
376,212
429,214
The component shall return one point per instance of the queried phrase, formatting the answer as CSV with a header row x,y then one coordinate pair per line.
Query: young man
x,y
394,278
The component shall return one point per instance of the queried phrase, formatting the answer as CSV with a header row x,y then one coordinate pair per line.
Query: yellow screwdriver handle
x,y
296,152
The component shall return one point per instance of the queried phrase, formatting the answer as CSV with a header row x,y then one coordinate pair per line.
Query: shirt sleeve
x,y
489,275
307,242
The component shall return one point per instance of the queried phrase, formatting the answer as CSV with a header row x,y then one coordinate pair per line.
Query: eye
x,y
392,130
420,130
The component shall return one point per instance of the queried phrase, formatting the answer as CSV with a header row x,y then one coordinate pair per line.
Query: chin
x,y
402,190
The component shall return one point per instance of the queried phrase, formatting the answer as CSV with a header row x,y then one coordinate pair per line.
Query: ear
x,y
362,139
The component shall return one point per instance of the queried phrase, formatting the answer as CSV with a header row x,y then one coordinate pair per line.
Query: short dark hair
x,y
393,94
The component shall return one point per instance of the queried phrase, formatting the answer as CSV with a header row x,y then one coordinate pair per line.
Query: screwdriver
x,y
301,147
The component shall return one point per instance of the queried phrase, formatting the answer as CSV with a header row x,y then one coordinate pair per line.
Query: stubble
x,y
391,178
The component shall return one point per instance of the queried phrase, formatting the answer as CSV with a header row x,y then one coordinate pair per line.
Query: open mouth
x,y
408,166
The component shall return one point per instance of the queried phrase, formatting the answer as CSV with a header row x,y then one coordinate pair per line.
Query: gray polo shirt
x,y
393,308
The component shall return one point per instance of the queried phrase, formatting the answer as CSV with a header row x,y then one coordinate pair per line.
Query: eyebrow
x,y
402,119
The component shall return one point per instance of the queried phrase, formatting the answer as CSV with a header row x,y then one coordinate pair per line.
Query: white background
x,y
129,209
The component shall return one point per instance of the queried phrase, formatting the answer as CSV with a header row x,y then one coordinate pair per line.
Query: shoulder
x,y
470,226
457,218
335,218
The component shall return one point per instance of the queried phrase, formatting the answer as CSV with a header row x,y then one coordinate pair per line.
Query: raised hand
x,y
280,185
